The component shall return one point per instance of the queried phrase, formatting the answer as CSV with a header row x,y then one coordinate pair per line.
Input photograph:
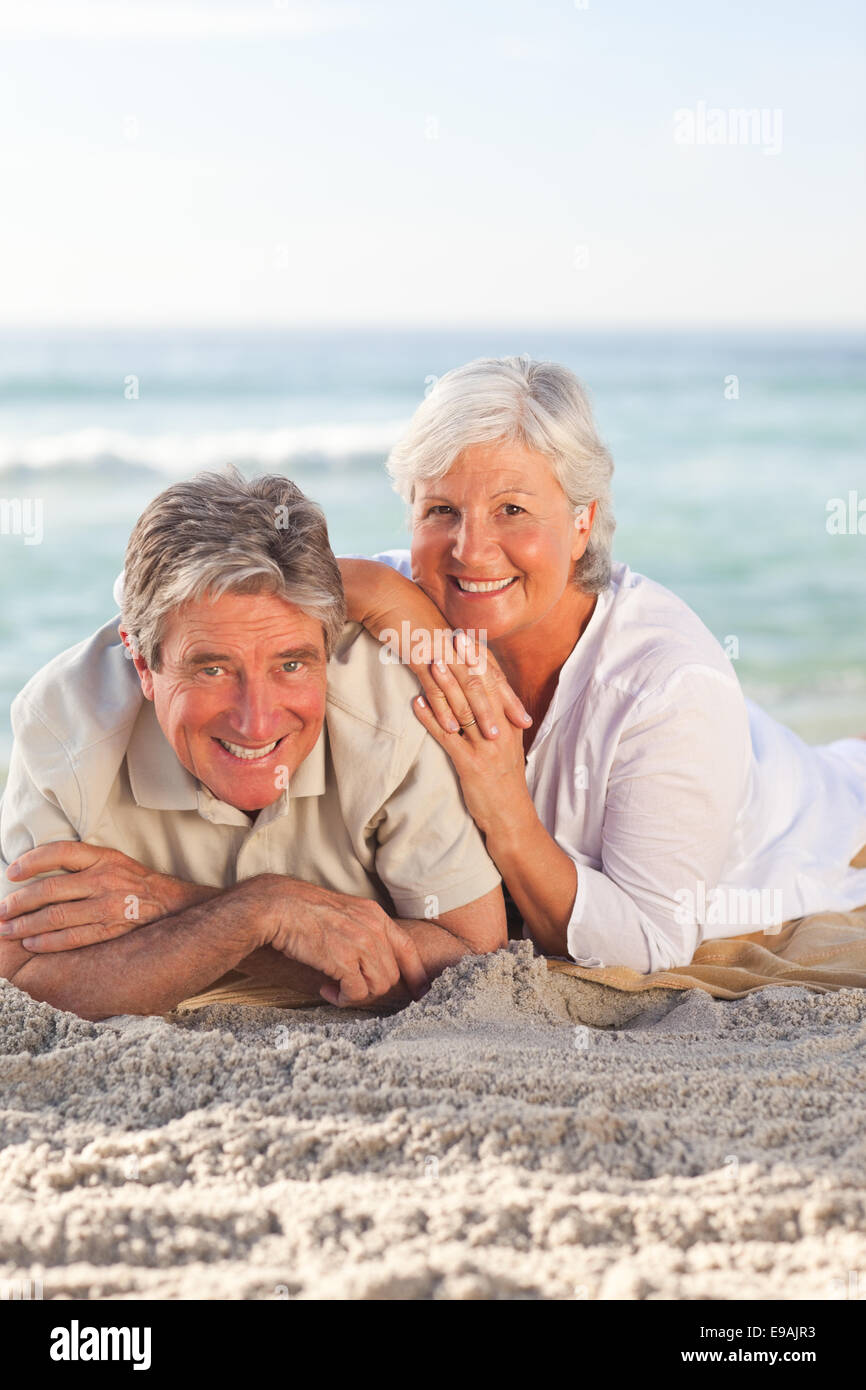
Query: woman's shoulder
x,y
651,638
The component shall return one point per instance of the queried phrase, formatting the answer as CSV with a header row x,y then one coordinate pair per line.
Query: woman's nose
x,y
473,543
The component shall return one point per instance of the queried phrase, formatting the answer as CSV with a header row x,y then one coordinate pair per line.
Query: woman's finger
x,y
482,658
512,707
434,697
449,740
468,698
440,704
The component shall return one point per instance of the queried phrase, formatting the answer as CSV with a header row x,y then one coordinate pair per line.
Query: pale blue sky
x,y
272,162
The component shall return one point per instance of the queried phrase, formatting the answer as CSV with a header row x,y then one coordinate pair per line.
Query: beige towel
x,y
824,951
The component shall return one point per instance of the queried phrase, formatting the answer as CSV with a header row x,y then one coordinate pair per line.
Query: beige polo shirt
x,y
375,809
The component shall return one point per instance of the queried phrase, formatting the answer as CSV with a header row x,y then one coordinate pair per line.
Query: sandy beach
x,y
518,1134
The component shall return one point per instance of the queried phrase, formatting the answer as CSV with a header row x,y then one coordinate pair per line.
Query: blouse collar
x,y
580,662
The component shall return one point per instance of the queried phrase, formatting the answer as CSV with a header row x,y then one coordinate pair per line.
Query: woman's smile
x,y
481,588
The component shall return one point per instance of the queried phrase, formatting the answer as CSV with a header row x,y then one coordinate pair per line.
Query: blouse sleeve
x,y
400,560
673,795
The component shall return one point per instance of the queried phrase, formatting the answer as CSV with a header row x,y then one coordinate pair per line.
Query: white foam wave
x,y
181,453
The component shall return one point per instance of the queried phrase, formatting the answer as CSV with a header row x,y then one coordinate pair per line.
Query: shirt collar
x,y
160,782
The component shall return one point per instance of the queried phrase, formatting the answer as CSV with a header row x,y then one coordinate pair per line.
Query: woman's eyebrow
x,y
524,492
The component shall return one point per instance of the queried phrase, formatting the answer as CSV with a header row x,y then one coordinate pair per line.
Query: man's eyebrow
x,y
290,654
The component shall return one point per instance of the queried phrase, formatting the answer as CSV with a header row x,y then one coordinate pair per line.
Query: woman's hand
x,y
102,894
472,712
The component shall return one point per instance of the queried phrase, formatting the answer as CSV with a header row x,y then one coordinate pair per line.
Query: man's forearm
x,y
151,969
437,946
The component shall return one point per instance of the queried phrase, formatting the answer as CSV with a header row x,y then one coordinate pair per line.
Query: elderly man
x,y
240,784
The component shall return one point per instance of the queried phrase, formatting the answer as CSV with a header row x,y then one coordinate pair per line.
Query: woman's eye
x,y
439,509
512,508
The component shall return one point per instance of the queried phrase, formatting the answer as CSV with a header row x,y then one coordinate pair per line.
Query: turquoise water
x,y
722,500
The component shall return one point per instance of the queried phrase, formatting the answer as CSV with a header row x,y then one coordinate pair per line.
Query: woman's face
x,y
494,541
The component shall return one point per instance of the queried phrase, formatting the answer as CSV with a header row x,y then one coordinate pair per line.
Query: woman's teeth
x,y
248,753
489,586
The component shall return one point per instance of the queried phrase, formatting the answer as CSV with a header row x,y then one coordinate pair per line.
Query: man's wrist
x,y
261,903
176,894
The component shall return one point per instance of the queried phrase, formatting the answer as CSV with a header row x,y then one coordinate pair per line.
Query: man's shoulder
x,y
86,694
367,687
374,734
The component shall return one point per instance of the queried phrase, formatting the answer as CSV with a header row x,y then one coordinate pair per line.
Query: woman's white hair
x,y
538,404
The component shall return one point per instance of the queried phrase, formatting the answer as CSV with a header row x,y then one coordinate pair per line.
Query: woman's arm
x,y
380,597
671,805
541,877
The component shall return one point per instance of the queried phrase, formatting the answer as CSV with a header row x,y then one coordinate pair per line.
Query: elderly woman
x,y
634,802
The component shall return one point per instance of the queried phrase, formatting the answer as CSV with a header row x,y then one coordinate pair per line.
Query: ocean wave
x,y
179,453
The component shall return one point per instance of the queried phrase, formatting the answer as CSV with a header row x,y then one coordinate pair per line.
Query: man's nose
x,y
474,544
256,715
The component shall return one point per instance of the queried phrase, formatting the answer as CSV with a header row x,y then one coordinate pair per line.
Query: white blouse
x,y
688,811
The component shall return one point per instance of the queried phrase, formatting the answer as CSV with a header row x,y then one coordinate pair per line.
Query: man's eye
x,y
206,670
296,665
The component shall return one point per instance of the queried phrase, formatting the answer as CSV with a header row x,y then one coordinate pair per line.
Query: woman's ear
x,y
583,519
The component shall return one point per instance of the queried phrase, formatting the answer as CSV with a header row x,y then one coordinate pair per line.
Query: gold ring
x,y
469,723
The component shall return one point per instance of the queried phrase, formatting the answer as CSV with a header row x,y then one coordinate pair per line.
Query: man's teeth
x,y
488,587
239,752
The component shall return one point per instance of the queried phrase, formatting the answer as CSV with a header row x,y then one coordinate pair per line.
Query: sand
x,y
517,1134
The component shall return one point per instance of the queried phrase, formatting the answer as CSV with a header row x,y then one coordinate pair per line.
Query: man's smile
x,y
244,753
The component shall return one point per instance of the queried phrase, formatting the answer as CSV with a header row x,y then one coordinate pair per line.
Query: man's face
x,y
241,693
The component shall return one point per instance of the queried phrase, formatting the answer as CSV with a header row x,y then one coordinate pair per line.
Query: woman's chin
x,y
472,618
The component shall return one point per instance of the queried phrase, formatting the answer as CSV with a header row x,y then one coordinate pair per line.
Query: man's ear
x,y
144,672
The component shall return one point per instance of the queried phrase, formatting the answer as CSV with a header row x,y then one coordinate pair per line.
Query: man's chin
x,y
243,784
250,799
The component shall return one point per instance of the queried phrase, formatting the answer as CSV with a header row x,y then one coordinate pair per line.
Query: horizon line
x,y
432,326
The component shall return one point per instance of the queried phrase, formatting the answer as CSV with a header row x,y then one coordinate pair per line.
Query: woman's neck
x,y
532,658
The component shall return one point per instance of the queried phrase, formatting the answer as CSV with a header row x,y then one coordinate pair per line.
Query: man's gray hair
x,y
222,533
538,404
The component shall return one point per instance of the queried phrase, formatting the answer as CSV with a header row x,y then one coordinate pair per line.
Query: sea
x,y
740,478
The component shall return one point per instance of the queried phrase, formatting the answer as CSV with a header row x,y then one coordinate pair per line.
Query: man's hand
x,y
103,894
351,940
